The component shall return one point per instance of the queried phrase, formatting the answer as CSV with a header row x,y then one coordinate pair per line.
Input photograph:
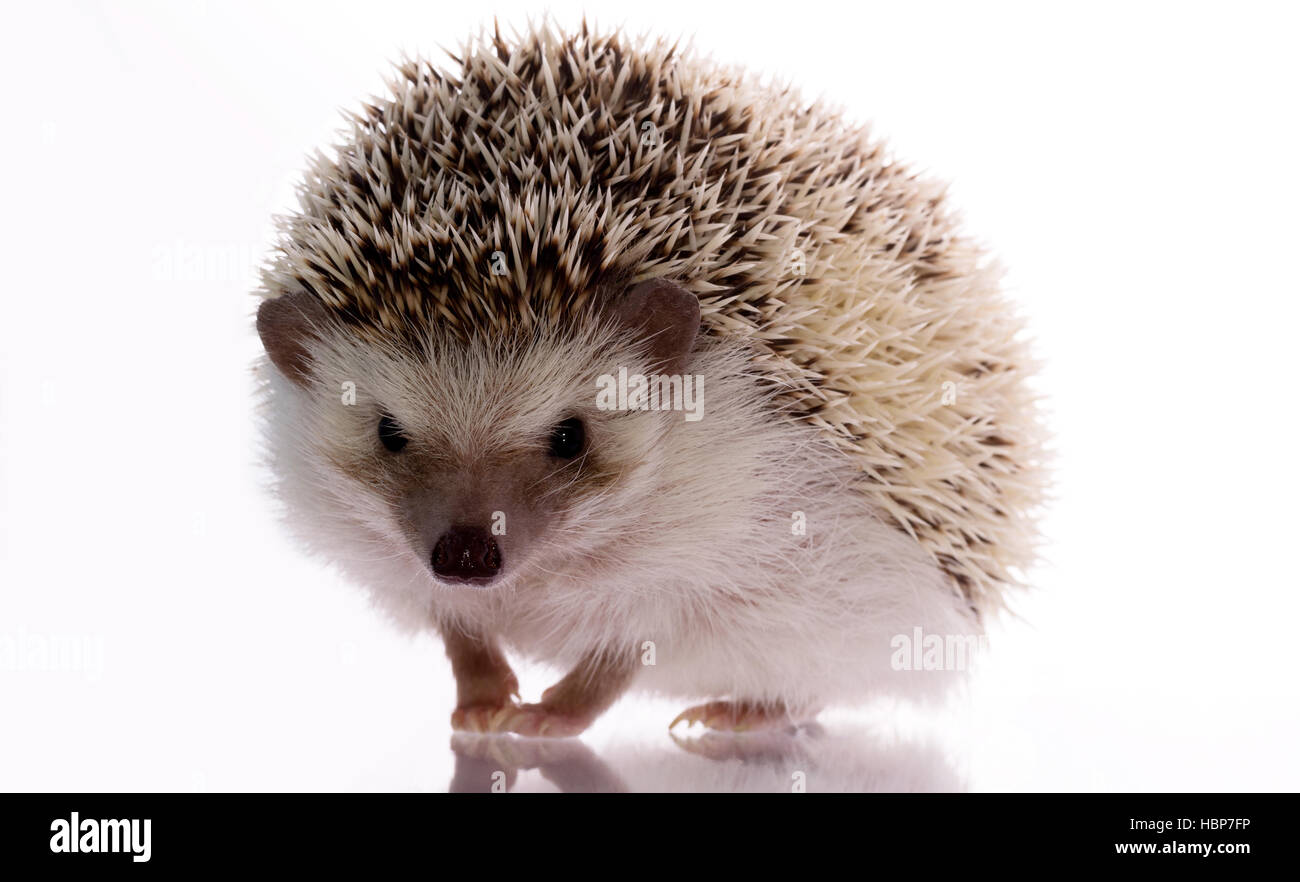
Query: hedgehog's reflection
x,y
809,758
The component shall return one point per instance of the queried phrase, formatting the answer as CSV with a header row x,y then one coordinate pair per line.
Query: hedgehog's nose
x,y
466,554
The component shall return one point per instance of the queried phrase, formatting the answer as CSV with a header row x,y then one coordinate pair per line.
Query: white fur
x,y
691,548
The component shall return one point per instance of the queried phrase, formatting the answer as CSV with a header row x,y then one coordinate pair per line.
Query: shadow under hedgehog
x,y
490,244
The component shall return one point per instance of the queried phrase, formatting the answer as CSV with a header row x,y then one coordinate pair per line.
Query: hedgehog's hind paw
x,y
741,716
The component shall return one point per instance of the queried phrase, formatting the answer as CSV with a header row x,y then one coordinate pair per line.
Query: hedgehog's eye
x,y
567,438
390,433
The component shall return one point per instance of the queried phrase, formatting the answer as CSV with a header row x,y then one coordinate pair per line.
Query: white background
x,y
1134,166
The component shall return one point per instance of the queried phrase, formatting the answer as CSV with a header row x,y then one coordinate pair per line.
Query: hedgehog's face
x,y
480,460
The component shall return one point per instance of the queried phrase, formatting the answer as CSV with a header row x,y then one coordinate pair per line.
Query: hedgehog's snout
x,y
466,554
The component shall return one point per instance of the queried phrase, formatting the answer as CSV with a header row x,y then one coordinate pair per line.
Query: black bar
x,y
496,831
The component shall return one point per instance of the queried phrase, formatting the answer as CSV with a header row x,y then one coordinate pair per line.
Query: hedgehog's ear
x,y
287,324
667,317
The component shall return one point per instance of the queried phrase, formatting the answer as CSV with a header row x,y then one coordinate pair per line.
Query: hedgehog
x,y
589,351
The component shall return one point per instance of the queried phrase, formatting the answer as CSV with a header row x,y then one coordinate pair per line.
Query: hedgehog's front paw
x,y
543,721
482,718
482,701
736,716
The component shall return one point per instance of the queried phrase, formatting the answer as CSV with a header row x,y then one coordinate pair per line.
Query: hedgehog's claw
x,y
483,699
541,721
771,746
534,720
481,718
733,716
